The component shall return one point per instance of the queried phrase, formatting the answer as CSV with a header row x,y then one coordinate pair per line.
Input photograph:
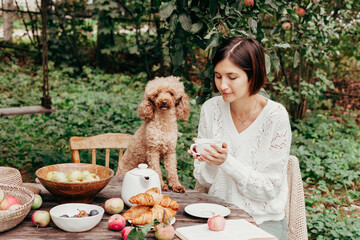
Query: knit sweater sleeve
x,y
204,173
271,153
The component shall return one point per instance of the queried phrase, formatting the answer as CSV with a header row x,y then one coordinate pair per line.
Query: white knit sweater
x,y
254,175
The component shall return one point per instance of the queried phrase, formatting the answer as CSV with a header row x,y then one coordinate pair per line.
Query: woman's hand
x,y
216,155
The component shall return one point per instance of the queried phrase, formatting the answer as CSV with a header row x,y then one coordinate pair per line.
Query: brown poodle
x,y
164,101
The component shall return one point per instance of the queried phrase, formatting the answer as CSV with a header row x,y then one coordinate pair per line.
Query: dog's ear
x,y
146,109
183,107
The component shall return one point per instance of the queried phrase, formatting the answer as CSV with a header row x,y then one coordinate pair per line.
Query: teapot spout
x,y
145,181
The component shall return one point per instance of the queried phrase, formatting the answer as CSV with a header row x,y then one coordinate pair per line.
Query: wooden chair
x,y
295,206
102,141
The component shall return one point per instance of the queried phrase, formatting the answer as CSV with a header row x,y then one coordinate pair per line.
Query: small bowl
x,y
75,224
72,192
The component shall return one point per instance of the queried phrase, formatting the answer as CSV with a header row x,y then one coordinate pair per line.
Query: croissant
x,y
153,197
156,212
135,211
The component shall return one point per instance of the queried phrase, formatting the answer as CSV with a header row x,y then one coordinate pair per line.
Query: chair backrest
x,y
102,141
295,206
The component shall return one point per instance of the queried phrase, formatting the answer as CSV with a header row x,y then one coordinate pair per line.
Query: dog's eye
x,y
156,95
171,94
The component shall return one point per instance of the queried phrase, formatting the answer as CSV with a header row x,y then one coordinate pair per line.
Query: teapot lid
x,y
142,170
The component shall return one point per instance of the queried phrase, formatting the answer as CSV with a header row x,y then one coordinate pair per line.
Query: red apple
x,y
116,222
8,201
286,25
40,218
164,231
300,11
216,223
125,232
114,205
249,3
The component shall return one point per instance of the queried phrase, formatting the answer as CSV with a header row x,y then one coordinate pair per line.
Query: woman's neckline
x,y
249,126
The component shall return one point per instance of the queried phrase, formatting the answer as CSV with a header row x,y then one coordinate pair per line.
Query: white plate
x,y
206,210
173,220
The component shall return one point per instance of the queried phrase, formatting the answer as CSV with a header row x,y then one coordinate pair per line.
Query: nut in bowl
x,y
75,191
76,217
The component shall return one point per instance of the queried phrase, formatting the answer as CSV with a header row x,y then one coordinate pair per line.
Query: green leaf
x,y
196,27
213,42
267,63
252,24
276,61
166,9
282,45
178,58
296,59
185,22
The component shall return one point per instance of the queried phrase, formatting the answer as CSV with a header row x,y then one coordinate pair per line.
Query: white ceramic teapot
x,y
138,180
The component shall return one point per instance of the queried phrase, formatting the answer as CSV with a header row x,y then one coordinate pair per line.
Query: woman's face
x,y
231,81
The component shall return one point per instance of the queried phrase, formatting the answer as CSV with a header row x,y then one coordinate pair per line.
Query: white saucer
x,y
206,210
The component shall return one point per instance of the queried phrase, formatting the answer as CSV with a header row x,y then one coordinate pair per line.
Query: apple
x,y
249,3
75,175
300,11
84,173
91,177
114,205
40,218
286,25
125,232
8,201
164,231
37,201
50,174
2,195
116,222
216,223
59,177
14,206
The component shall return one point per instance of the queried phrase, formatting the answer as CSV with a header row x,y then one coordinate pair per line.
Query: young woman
x,y
250,168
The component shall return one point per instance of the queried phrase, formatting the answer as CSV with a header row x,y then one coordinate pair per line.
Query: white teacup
x,y
201,143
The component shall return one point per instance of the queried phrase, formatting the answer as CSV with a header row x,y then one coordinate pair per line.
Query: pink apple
x,y
286,25
40,218
164,231
14,206
249,3
216,223
114,205
300,11
116,222
8,201
125,232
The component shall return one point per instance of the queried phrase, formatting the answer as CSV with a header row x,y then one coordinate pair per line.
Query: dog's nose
x,y
164,103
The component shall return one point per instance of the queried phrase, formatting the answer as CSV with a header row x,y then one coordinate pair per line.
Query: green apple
x,y
59,177
75,175
91,177
37,202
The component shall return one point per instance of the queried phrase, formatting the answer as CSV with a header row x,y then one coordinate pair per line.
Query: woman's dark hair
x,y
247,54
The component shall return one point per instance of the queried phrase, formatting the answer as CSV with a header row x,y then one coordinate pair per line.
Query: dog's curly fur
x,y
164,101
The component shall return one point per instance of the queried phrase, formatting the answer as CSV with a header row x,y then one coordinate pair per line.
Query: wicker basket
x,y
12,176
11,218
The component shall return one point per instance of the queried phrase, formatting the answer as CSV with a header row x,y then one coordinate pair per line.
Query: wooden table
x,y
26,230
